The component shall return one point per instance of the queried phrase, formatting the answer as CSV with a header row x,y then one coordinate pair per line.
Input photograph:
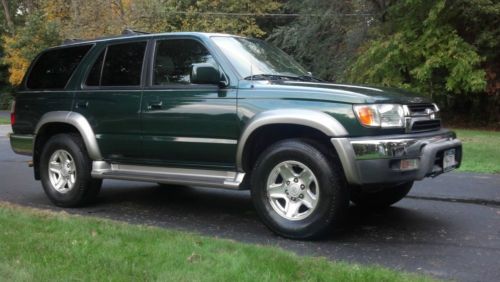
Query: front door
x,y
110,100
186,124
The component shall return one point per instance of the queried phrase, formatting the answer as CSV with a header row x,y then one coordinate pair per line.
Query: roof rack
x,y
72,40
129,31
125,32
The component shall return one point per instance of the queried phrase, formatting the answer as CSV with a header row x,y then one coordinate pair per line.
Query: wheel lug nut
x,y
301,196
295,180
293,199
288,183
302,186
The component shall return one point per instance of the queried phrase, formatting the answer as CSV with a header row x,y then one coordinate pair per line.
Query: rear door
x,y
110,99
187,124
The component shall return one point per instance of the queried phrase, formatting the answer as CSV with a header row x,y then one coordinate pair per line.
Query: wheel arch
x,y
315,121
57,122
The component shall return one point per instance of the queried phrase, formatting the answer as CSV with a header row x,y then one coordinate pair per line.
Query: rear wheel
x,y
382,197
65,171
297,191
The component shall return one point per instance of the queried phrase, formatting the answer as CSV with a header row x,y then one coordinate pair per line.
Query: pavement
x,y
5,114
448,227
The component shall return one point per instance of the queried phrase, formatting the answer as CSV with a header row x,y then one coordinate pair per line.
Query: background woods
x,y
442,48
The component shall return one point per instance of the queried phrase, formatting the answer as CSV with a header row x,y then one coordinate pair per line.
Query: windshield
x,y
253,57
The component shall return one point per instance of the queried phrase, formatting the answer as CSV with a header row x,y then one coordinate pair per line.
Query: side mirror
x,y
204,73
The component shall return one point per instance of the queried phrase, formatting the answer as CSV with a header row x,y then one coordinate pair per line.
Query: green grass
x,y
4,120
47,246
481,150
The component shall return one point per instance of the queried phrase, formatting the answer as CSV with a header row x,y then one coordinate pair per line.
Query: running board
x,y
168,175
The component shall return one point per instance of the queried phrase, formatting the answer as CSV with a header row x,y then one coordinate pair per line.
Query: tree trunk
x,y
8,18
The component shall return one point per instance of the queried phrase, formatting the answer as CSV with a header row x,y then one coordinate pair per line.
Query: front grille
x,y
420,109
426,125
422,117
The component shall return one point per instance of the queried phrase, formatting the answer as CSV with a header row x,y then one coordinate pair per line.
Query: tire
x,y
69,157
382,197
326,184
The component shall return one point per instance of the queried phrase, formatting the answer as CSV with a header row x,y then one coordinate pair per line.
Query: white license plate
x,y
449,159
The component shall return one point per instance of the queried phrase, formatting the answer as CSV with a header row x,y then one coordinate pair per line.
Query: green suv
x,y
223,111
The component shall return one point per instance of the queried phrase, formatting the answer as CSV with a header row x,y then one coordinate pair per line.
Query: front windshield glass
x,y
253,57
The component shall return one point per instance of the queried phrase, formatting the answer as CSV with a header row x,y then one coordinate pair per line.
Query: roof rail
x,y
72,40
125,32
128,31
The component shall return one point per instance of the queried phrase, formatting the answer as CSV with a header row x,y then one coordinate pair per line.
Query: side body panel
x,y
112,112
192,127
32,105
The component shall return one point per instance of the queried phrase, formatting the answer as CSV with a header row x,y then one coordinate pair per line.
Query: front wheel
x,y
382,197
65,171
297,191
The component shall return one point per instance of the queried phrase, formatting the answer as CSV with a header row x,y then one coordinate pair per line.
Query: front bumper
x,y
375,160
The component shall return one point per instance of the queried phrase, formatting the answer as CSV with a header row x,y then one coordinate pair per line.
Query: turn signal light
x,y
366,116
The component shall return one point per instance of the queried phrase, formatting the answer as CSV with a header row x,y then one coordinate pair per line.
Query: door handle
x,y
82,104
155,105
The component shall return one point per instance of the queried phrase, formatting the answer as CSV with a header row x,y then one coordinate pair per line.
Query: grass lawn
x,y
48,246
4,120
481,150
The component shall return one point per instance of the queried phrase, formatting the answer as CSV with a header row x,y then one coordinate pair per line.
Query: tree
x,y
48,22
26,43
420,50
326,34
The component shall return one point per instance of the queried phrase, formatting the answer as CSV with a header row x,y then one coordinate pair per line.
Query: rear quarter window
x,y
54,68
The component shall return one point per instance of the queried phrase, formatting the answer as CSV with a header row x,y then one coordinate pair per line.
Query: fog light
x,y
408,164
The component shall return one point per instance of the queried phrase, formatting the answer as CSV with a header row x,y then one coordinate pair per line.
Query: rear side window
x,y
119,65
53,69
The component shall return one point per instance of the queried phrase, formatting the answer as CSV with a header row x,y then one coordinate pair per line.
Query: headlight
x,y
380,115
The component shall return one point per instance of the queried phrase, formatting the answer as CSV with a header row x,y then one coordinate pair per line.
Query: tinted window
x,y
95,73
53,68
174,59
123,64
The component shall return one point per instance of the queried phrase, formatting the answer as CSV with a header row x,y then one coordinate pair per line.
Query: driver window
x,y
174,59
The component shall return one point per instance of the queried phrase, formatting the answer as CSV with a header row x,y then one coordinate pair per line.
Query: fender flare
x,y
310,118
80,123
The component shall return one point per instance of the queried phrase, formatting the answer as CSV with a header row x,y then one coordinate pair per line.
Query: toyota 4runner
x,y
223,111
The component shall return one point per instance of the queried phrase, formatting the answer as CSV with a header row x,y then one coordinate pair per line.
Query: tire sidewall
x,y
329,186
69,144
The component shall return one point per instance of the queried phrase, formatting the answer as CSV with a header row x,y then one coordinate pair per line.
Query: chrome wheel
x,y
62,171
292,190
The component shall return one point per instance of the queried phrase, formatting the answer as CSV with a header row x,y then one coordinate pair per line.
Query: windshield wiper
x,y
310,78
281,77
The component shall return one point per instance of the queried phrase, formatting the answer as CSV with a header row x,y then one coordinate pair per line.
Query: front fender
x,y
310,118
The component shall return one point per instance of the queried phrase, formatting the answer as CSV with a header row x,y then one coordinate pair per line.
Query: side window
x,y
174,59
119,65
54,68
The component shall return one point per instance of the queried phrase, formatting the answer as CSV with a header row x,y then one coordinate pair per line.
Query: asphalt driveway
x,y
448,227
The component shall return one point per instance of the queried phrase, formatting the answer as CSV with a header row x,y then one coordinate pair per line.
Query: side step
x,y
168,175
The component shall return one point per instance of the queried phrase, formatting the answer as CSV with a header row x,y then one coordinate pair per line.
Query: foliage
x,y
420,48
326,34
57,19
20,48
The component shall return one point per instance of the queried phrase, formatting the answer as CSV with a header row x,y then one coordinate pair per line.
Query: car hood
x,y
338,92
